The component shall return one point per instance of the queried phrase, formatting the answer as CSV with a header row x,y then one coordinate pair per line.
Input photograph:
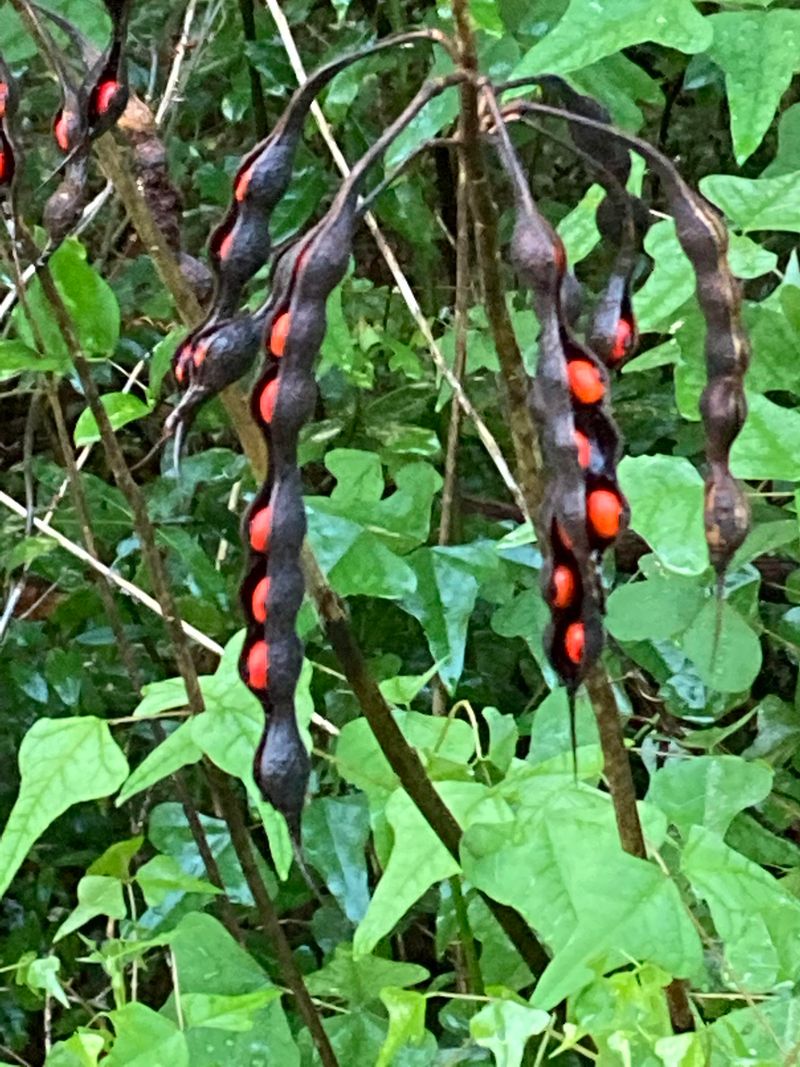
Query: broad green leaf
x,y
62,762
503,738
97,895
625,1014
769,443
218,1011
81,1049
748,259
765,1033
16,357
655,609
708,790
335,834
550,731
359,980
666,498
163,875
724,648
361,762
355,561
671,283
756,203
787,158
121,409
176,751
406,1022
559,863
210,963
757,920
116,860
443,602
759,51
146,1038
418,858
88,298
578,229
589,31
526,616
504,1027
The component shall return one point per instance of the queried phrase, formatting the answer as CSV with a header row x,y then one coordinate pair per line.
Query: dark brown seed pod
x,y
704,239
9,153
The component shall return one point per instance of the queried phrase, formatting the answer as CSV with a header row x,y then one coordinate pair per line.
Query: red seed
x,y
279,334
622,340
258,665
584,447
105,95
2,166
260,526
604,509
575,642
180,372
199,353
225,245
563,586
242,184
266,404
259,601
3,97
585,381
61,132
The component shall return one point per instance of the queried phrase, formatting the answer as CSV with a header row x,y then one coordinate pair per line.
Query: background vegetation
x,y
115,945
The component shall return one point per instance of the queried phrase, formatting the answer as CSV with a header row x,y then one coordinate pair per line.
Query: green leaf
x,y
758,50
443,602
655,609
116,860
121,409
787,158
97,895
757,920
708,790
767,1031
145,1038
359,980
210,963
670,521
81,1049
220,1012
176,751
62,762
578,229
335,834
16,357
163,875
418,858
42,973
587,32
731,663
671,283
756,203
504,1027
406,1022
625,1013
769,443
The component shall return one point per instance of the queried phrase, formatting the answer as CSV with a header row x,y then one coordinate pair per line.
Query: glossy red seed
x,y
199,353
266,404
604,509
584,447
3,97
575,642
585,381
622,340
105,95
225,245
258,665
3,166
259,601
279,334
564,585
260,526
242,184
61,132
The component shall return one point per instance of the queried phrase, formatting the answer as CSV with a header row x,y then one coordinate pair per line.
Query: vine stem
x,y
401,756
528,456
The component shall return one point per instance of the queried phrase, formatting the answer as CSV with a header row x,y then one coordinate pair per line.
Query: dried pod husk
x,y
64,206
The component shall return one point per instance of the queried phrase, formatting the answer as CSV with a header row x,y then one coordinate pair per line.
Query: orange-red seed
x,y
575,642
604,509
105,94
258,665
585,381
259,601
266,404
563,586
584,447
260,526
622,339
279,334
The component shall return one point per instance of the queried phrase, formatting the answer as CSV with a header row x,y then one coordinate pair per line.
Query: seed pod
x,y
9,153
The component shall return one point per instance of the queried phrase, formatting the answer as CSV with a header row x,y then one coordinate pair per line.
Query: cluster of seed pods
x,y
583,509
87,110
289,327
9,101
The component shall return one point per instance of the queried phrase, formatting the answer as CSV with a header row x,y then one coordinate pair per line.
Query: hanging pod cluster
x,y
288,329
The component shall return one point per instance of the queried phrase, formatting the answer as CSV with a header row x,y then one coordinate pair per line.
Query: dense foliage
x,y
115,945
